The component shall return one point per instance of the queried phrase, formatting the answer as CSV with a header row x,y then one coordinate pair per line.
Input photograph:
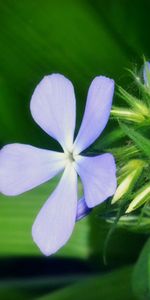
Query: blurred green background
x,y
80,39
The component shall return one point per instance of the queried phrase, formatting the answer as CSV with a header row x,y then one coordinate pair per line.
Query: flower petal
x,y
82,209
23,167
55,221
53,107
98,175
97,111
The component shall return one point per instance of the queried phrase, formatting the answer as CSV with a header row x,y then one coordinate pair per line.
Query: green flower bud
x,y
127,152
140,198
137,105
127,115
128,177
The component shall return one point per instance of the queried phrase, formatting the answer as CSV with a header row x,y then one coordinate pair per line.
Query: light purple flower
x,y
146,72
23,167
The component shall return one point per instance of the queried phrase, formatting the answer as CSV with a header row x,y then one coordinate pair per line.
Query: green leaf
x,y
42,38
129,34
108,139
115,285
29,288
141,275
141,142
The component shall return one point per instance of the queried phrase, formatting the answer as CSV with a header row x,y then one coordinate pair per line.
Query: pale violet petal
x,y
82,209
97,111
146,72
23,167
98,175
53,107
54,224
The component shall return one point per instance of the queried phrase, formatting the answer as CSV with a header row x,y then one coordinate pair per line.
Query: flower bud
x,y
140,198
129,175
137,105
127,115
127,152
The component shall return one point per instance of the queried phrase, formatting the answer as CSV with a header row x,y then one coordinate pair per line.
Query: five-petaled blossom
x,y
23,167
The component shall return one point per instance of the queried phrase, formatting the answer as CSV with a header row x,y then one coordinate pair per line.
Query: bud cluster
x,y
133,189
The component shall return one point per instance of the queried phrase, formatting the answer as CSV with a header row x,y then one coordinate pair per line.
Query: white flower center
x,y
70,157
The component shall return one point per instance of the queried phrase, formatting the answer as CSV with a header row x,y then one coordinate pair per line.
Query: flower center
x,y
70,156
